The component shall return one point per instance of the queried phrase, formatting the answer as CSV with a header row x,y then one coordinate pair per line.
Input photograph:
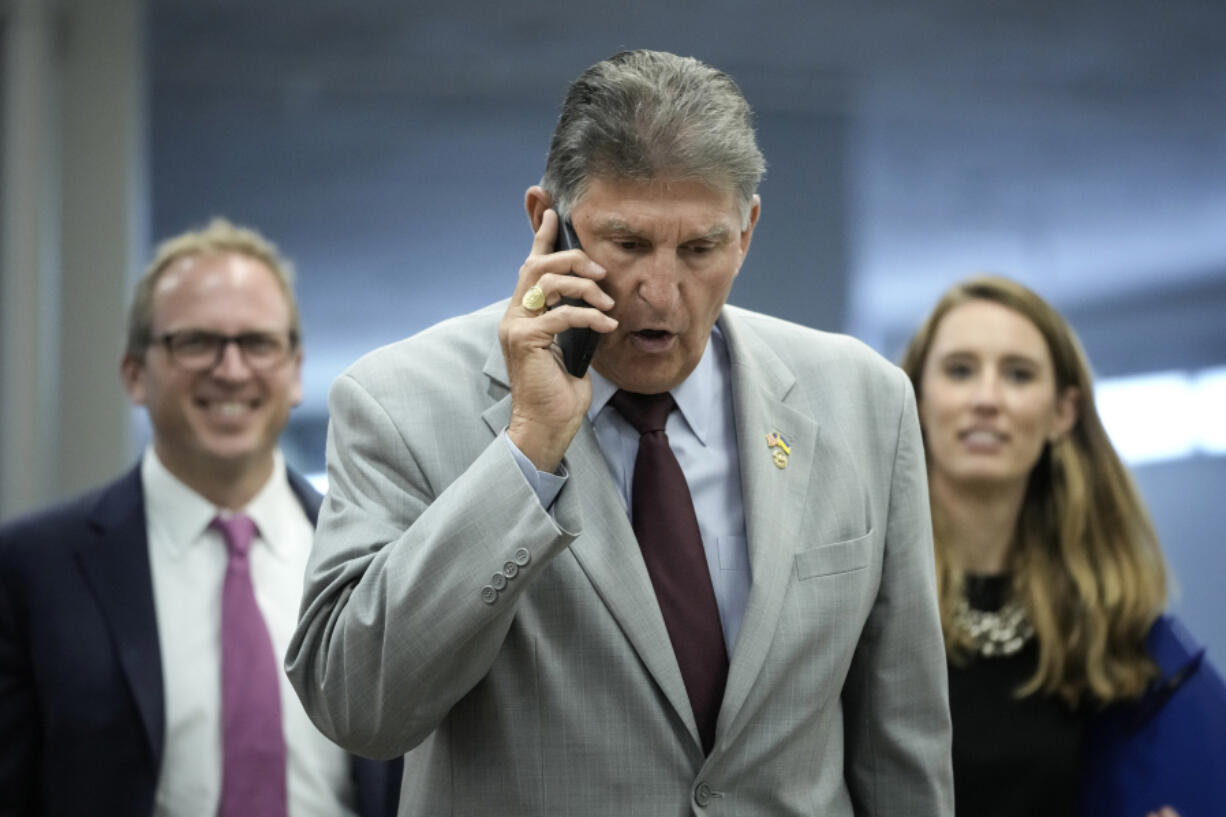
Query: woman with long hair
x,y
1050,574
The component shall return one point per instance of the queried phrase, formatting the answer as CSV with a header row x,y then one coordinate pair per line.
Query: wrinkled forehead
x,y
615,194
664,180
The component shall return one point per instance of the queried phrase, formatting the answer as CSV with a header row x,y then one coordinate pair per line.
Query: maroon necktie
x,y
662,513
253,782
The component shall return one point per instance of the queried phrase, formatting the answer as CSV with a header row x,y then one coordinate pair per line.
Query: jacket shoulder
x,y
813,352
47,529
451,345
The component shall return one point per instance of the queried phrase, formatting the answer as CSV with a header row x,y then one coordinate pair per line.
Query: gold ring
x,y
534,299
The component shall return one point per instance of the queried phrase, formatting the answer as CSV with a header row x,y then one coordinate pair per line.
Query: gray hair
x,y
647,115
218,237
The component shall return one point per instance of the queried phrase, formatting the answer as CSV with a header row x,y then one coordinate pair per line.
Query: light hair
x,y
218,236
1085,559
647,115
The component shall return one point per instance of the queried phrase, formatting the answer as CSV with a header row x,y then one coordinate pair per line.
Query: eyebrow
x,y
717,234
1010,357
613,226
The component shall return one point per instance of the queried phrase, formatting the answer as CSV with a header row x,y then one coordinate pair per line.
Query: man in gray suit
x,y
554,606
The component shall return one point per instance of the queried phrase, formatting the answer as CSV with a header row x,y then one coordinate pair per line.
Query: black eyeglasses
x,y
198,351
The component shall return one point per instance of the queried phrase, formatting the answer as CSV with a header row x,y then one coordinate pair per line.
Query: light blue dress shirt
x,y
702,434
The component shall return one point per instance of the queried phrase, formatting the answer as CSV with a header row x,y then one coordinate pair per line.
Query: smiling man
x,y
141,627
697,579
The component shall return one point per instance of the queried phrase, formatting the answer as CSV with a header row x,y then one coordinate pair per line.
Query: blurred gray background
x,y
386,146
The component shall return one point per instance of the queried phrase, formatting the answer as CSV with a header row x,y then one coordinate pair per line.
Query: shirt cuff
x,y
546,486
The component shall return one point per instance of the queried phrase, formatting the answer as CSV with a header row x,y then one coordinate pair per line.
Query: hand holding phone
x,y
578,343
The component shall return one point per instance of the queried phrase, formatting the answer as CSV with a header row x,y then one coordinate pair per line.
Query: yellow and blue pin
x,y
780,449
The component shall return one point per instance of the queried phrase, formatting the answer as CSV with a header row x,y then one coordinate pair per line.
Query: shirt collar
x,y
693,396
182,516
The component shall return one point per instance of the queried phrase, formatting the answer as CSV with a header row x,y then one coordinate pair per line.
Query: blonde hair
x,y
218,236
1085,560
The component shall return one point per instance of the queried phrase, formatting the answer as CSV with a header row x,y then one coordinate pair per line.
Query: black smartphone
x,y
578,343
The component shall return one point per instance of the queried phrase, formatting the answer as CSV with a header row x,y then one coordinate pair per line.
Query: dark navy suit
x,y
81,701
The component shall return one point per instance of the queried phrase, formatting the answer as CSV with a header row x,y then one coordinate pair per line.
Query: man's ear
x,y
536,202
747,234
295,394
130,369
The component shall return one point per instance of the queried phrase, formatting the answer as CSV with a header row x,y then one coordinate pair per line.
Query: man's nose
x,y
660,279
232,365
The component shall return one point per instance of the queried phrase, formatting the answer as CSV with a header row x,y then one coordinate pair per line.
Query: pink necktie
x,y
253,775
662,513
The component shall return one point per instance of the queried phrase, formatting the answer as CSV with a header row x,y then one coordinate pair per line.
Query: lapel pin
x,y
779,448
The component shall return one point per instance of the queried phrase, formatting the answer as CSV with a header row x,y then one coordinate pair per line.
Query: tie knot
x,y
238,531
646,412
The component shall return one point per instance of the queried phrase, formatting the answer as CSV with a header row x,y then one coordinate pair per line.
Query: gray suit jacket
x,y
560,695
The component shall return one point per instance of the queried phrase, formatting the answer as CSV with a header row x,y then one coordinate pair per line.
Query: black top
x,y
1011,756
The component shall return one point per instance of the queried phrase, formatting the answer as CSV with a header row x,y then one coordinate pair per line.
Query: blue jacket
x,y
1167,749
81,701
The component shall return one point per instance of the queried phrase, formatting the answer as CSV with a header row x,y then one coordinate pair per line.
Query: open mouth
x,y
653,341
227,408
982,437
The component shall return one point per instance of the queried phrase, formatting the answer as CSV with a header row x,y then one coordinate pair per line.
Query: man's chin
x,y
645,379
234,451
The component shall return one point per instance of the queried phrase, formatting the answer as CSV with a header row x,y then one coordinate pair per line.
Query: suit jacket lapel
x,y
306,493
775,499
115,561
607,552
609,555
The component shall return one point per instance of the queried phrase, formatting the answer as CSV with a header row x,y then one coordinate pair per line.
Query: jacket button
x,y
702,794
522,557
510,570
498,581
489,595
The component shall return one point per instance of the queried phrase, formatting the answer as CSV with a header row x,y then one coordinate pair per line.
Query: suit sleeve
x,y
896,699
397,620
19,746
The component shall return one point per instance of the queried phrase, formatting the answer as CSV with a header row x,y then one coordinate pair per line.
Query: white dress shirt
x,y
188,563
702,435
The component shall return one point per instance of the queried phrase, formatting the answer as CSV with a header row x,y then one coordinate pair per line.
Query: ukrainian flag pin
x,y
779,448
